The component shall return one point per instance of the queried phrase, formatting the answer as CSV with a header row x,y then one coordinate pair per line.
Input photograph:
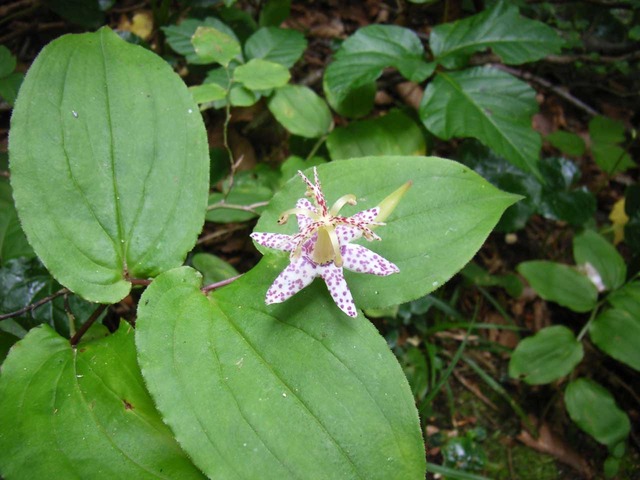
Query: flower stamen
x,y
341,202
284,216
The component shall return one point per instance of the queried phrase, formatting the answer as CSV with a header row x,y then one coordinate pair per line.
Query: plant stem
x,y
317,145
246,208
86,325
592,317
221,283
35,305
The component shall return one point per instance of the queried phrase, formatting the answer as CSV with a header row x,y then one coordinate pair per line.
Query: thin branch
x,y
4,173
139,281
635,55
86,325
219,233
548,85
35,305
222,283
40,27
232,206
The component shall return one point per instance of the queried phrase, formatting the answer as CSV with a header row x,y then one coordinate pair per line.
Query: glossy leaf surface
x,y
486,104
109,171
435,230
550,354
285,392
514,38
82,413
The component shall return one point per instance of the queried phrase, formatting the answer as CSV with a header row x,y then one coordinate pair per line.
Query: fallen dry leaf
x,y
551,443
410,93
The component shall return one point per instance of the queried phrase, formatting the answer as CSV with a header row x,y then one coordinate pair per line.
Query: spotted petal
x,y
298,274
362,260
304,220
337,285
277,241
347,233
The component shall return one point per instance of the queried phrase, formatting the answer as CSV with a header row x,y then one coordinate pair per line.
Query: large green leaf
x,y
591,248
550,354
438,226
392,134
286,392
82,413
561,284
487,104
617,332
301,111
362,57
283,46
514,38
594,409
109,164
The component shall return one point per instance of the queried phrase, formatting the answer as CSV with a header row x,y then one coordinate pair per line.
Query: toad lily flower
x,y
321,248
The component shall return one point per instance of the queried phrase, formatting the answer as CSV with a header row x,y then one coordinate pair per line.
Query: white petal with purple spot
x,y
362,260
277,241
338,288
295,277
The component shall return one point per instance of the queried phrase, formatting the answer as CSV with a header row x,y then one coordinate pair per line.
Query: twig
x,y
590,58
232,206
35,305
86,325
475,390
319,143
41,27
221,283
545,83
7,9
219,233
4,173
